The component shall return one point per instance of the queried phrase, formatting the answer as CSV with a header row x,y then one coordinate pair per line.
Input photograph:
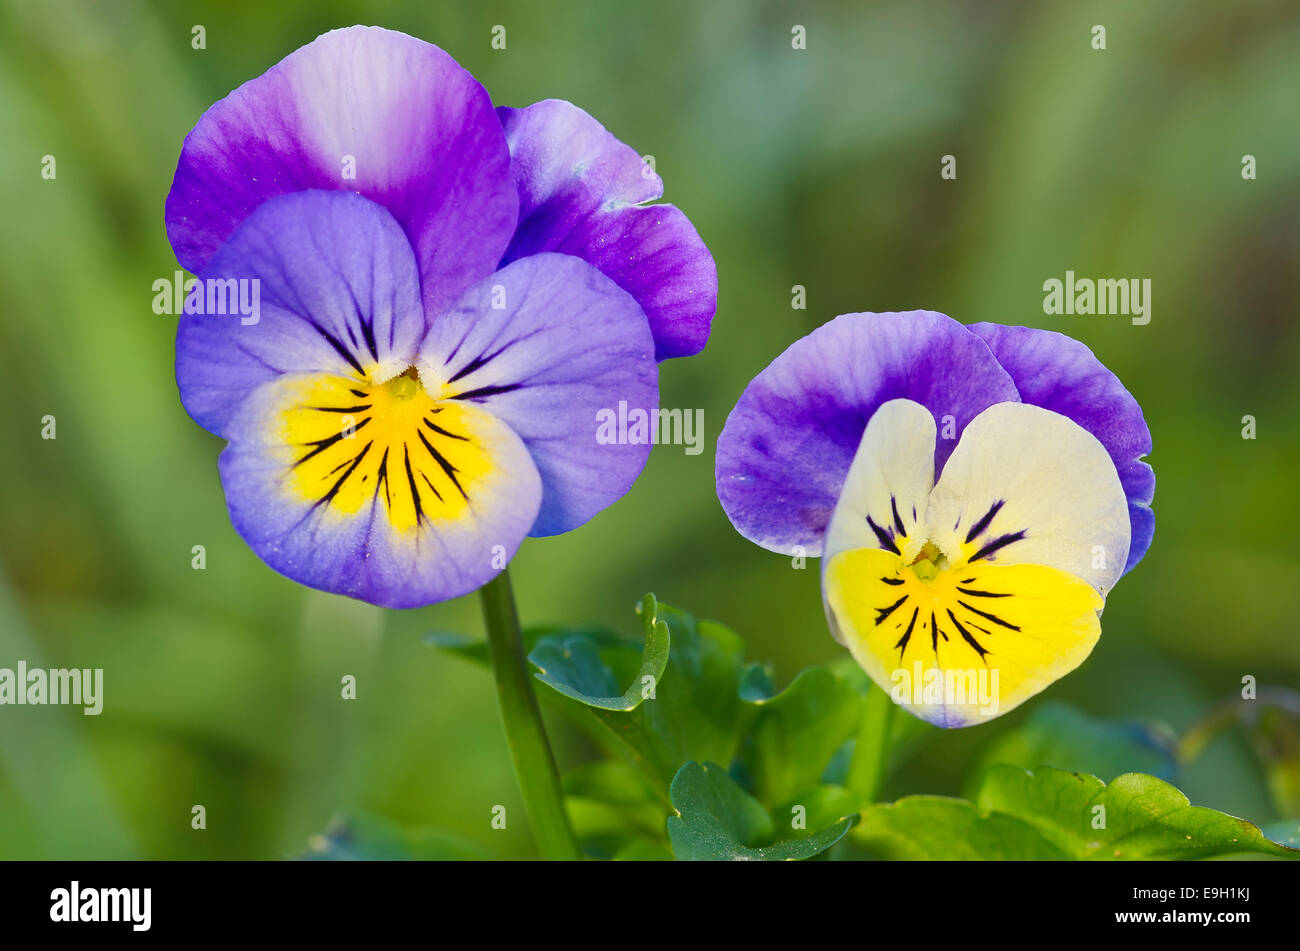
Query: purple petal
x,y
787,446
1061,374
335,285
582,192
366,110
563,346
390,507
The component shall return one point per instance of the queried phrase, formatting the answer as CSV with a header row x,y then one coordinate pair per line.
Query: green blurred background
x,y
816,167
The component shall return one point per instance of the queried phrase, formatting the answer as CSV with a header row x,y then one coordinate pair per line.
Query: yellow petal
x,y
959,646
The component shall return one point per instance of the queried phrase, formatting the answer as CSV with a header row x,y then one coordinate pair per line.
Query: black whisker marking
x,y
482,360
484,391
967,637
886,542
430,484
323,444
340,409
907,635
446,466
334,489
368,331
1002,541
980,594
898,519
990,617
442,432
882,613
383,477
892,580
415,491
337,344
984,520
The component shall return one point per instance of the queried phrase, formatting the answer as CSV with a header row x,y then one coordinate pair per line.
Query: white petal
x,y
1042,475
888,484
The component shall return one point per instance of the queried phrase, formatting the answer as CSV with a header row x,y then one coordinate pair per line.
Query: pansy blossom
x,y
436,336
974,494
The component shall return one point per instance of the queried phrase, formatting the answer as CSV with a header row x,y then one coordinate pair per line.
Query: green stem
x,y
871,752
539,780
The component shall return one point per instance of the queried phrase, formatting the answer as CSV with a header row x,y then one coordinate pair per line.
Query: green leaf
x,y
572,665
756,683
796,733
1061,736
608,780
1051,813
926,828
695,711
698,712
717,820
619,737
359,836
1144,817
474,649
815,808
603,830
611,806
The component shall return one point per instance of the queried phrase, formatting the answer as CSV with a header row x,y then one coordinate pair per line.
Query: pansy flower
x,y
974,494
447,295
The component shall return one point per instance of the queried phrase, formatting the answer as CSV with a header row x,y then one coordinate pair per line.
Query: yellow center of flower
x,y
354,441
406,385
945,610
1024,620
929,562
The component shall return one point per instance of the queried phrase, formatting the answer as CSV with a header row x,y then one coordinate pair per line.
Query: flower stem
x,y
871,753
539,780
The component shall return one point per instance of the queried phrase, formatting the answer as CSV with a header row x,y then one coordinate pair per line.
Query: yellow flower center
x,y
406,385
929,562
355,440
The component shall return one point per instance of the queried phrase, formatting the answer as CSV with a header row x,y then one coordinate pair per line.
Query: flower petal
x,y
1061,374
335,284
402,501
550,345
787,446
581,192
902,591
952,657
1029,486
366,110
886,496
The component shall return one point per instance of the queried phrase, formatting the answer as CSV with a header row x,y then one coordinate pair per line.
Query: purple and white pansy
x,y
448,294
974,494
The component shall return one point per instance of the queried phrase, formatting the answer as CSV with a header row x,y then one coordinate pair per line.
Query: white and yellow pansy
x,y
974,494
